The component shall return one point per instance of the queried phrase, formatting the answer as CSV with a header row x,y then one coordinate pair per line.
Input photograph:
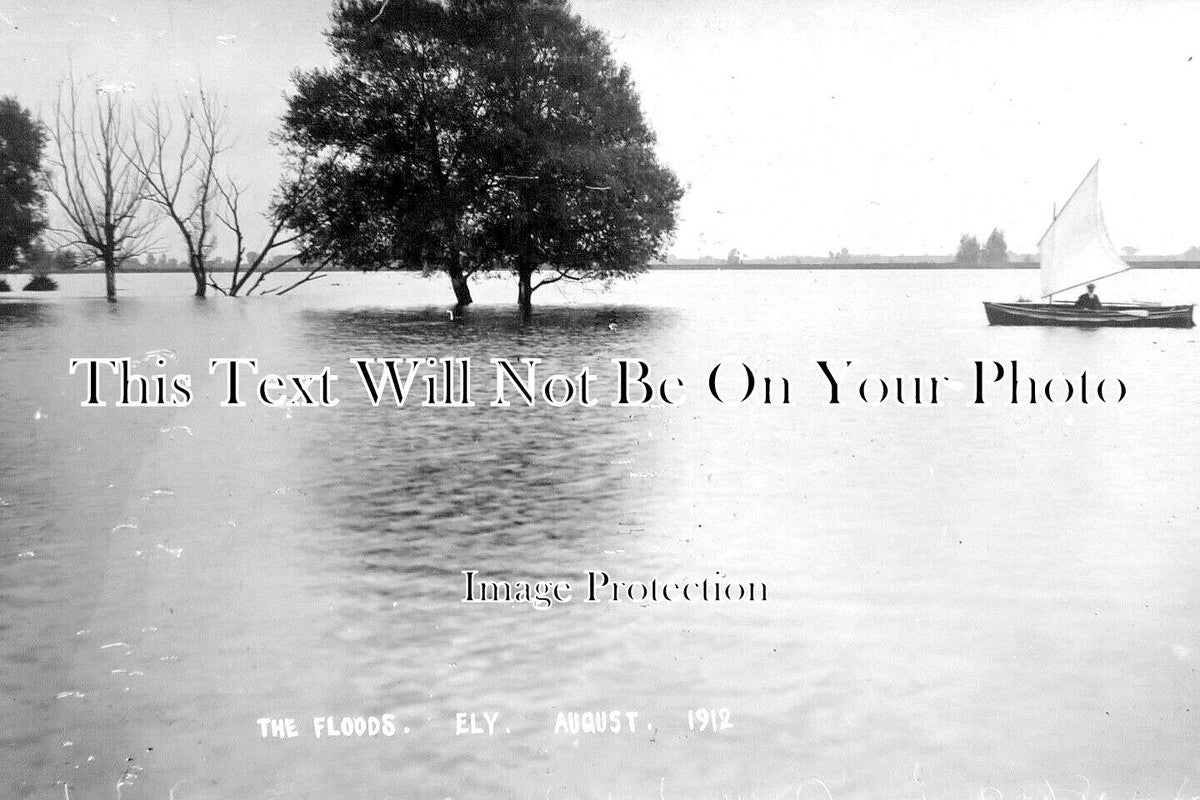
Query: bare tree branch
x,y
562,274
178,167
251,269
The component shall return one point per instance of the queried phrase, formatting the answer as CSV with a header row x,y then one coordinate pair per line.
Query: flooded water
x,y
965,601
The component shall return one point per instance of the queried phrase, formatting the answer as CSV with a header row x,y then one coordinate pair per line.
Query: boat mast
x,y
1053,217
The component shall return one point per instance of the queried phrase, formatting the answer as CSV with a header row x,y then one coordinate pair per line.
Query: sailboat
x,y
1075,251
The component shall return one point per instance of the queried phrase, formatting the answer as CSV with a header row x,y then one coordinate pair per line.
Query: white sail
x,y
1075,249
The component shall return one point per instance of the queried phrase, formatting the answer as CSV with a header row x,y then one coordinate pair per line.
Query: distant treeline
x,y
713,266
932,263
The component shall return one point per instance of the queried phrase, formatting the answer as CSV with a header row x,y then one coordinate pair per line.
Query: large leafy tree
x,y
478,134
390,136
22,206
580,194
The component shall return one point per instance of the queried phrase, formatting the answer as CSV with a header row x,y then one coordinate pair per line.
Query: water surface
x,y
963,598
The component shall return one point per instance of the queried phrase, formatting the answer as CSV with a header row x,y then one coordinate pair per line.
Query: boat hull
x,y
1109,316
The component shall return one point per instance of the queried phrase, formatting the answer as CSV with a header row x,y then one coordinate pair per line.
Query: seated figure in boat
x,y
1089,299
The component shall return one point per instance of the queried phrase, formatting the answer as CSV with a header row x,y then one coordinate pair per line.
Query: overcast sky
x,y
798,126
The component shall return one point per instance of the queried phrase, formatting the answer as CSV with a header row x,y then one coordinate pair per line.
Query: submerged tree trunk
x,y
454,268
110,279
525,293
462,291
201,276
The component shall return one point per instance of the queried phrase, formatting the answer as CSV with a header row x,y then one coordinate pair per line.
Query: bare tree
x,y
98,187
177,162
252,268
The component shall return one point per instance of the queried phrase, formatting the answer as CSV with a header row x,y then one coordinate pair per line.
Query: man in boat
x,y
1089,299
